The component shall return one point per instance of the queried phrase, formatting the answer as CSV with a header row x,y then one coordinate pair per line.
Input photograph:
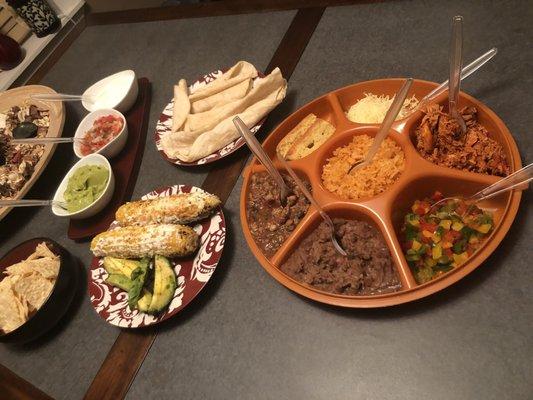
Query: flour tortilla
x,y
239,72
225,96
182,105
216,129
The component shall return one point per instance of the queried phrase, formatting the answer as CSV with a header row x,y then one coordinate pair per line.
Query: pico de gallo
x,y
438,239
104,130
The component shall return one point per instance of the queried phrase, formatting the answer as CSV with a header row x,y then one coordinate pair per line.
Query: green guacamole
x,y
85,186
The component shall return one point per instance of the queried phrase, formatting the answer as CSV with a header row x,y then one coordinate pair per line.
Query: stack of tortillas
x,y
26,287
202,121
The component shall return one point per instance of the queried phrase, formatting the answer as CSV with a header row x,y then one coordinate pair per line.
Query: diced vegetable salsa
x,y
438,239
104,130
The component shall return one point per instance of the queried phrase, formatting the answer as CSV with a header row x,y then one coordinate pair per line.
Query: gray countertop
x,y
64,362
246,336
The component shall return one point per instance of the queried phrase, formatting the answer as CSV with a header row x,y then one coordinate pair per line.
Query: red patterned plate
x,y
192,273
165,124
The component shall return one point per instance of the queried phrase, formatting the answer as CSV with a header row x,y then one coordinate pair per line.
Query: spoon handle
x,y
44,140
25,203
510,182
456,59
465,73
259,152
391,115
306,192
57,97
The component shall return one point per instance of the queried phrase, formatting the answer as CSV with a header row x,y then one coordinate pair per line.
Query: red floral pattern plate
x,y
192,273
165,124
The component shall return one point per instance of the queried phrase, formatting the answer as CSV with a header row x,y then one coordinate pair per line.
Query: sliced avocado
x,y
138,277
122,266
144,302
120,281
164,285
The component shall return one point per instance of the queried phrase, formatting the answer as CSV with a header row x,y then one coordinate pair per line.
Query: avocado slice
x,y
164,285
144,302
122,266
120,281
138,277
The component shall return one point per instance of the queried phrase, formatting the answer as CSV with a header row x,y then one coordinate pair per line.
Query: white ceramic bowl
x,y
114,146
100,203
118,91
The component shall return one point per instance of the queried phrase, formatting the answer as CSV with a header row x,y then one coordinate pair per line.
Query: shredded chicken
x,y
439,139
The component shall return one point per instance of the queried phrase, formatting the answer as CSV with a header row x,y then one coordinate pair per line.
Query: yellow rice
x,y
385,169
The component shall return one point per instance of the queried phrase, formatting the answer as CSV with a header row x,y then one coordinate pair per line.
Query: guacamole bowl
x,y
85,189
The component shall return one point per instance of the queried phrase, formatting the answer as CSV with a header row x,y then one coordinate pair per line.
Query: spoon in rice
x,y
312,200
262,156
456,60
516,179
384,129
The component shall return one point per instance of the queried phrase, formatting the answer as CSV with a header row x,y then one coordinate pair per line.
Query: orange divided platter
x,y
19,96
385,211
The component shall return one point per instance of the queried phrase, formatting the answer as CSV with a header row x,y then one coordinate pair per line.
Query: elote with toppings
x,y
146,241
176,209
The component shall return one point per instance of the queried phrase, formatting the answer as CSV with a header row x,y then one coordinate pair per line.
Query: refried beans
x,y
270,222
368,269
439,139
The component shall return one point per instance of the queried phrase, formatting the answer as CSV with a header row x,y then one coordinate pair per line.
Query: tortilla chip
x,y
47,267
42,250
11,311
182,105
34,289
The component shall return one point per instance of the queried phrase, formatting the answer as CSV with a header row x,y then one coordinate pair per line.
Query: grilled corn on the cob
x,y
177,209
146,241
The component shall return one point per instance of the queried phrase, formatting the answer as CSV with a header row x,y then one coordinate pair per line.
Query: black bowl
x,y
58,300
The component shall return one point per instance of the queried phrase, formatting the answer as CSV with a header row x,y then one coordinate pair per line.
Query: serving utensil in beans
x,y
466,71
456,59
516,179
384,129
312,200
262,156
32,203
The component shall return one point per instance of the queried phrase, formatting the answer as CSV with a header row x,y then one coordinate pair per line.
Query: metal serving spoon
x,y
312,200
63,97
46,140
32,203
456,59
518,178
263,157
465,73
384,129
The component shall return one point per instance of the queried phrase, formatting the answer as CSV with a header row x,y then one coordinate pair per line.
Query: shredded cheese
x,y
371,109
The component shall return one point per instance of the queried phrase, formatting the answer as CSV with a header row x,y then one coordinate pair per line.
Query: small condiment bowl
x,y
100,203
59,299
118,91
112,148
